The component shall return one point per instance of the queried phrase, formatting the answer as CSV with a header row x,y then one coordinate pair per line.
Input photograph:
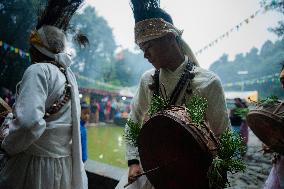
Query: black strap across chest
x,y
186,75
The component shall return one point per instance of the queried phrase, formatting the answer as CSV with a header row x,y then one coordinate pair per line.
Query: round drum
x,y
267,123
181,150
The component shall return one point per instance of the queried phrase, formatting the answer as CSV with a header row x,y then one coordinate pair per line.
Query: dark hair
x,y
282,64
240,103
37,56
84,105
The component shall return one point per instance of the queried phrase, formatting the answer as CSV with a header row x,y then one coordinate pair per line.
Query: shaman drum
x,y
179,151
267,123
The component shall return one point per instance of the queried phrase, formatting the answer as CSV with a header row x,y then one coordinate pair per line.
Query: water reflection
x,y
106,145
119,140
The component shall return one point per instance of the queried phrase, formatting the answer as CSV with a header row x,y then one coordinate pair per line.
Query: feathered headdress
x,y
49,37
153,22
58,13
147,9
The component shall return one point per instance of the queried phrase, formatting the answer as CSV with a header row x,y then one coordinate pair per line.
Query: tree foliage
x,y
277,5
17,19
258,63
96,60
129,66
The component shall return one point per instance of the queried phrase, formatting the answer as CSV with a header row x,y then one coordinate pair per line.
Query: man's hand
x,y
134,170
266,149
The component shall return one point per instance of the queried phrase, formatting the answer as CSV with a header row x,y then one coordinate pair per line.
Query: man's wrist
x,y
133,162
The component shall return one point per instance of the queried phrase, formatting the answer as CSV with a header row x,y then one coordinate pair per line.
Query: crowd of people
x,y
109,109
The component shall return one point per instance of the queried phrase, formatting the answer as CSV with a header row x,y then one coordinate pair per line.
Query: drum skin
x,y
182,151
267,123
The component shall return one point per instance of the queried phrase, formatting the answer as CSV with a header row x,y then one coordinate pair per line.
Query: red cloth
x,y
108,106
244,132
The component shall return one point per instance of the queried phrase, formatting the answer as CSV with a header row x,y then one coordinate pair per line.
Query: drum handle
x,y
149,171
141,174
278,108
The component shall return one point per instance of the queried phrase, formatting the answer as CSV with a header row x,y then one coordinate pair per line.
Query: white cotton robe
x,y
45,153
205,84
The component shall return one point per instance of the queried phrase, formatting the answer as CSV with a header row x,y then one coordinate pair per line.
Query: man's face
x,y
281,77
156,51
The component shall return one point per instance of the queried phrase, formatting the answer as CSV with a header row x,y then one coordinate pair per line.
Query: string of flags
x,y
15,50
233,29
261,80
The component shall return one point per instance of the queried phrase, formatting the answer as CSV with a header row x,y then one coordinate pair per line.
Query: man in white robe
x,y
162,45
44,150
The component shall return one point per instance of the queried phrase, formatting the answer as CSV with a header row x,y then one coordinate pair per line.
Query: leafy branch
x,y
228,159
196,109
158,103
132,133
269,100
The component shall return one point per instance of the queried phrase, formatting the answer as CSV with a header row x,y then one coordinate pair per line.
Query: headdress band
x,y
153,28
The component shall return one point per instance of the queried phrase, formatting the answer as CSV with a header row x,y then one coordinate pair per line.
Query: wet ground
x,y
258,167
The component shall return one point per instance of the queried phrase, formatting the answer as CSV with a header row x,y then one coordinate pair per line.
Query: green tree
x,y
258,63
277,5
96,61
17,19
129,67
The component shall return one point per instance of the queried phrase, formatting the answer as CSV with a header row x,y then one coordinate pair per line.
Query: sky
x,y
202,21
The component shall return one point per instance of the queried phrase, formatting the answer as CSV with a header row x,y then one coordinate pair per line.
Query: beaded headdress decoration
x,y
153,28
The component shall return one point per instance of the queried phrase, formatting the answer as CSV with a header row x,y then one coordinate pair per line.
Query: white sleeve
x,y
28,124
216,114
139,107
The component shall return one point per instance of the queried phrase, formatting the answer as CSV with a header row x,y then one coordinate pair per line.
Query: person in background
x,y
113,108
94,109
244,127
97,112
43,141
102,111
238,121
281,77
85,116
235,118
107,110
